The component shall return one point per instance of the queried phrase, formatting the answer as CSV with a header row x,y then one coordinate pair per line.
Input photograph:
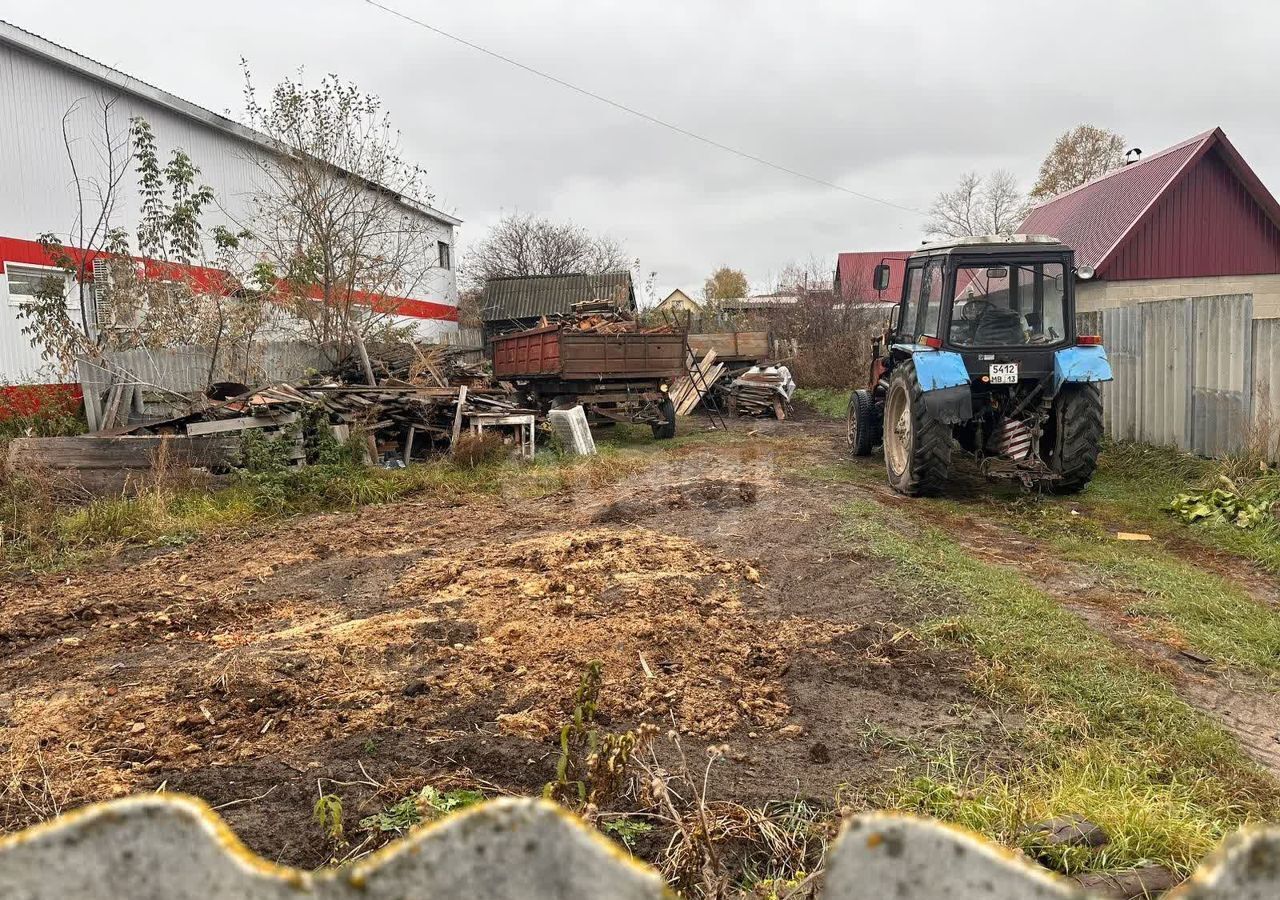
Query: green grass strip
x,y
1102,737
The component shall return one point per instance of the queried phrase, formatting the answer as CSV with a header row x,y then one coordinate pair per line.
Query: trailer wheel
x,y
862,423
917,447
1076,437
667,429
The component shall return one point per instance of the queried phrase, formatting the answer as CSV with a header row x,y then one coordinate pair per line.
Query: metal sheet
x,y
1265,385
1121,335
1221,382
1184,372
164,375
1165,362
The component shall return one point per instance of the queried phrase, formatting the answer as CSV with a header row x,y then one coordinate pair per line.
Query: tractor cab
x,y
982,355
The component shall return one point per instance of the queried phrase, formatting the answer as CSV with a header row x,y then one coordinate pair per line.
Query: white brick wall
x,y
1095,295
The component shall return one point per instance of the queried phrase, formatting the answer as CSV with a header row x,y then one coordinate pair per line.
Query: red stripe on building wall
x,y
30,253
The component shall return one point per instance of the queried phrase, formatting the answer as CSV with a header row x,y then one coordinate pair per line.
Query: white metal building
x,y
45,88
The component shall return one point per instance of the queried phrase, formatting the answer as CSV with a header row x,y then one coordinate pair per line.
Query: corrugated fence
x,y
1191,373
152,381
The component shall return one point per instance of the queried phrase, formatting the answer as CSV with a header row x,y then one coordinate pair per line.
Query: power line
x,y
635,112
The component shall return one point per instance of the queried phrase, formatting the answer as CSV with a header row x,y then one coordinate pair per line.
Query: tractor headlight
x,y
663,387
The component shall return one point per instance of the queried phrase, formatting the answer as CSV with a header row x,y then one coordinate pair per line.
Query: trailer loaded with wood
x,y
616,375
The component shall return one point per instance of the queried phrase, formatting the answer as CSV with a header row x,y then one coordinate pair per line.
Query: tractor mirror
x,y
880,278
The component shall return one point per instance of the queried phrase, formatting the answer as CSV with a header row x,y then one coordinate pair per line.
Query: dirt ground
x,y
366,654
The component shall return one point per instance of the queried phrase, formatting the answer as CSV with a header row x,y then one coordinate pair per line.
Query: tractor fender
x,y
1080,364
944,380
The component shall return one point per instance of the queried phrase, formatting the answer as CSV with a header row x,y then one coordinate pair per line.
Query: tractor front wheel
x,y
1076,437
862,423
917,447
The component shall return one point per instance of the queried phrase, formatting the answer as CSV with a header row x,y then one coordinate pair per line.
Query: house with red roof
x,y
852,281
1193,220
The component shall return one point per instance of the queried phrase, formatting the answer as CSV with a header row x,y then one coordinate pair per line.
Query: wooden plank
x,y
733,344
408,445
458,413
218,426
694,391
113,404
124,452
695,396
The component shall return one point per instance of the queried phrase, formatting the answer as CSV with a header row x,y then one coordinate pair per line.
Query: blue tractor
x,y
982,356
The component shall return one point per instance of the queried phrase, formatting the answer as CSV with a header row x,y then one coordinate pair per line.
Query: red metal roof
x,y
853,281
1194,209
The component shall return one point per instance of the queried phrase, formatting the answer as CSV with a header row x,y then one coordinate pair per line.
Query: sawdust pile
x,y
474,631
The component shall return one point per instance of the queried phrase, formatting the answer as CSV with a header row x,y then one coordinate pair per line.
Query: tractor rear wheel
x,y
862,423
1076,438
917,447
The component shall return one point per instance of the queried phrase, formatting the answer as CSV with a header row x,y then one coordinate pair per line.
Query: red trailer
x,y
617,376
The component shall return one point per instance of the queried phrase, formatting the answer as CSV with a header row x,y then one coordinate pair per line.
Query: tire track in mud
x,y
1243,704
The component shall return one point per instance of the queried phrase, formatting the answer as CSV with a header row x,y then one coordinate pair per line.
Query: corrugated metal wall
x,y
1184,371
1265,383
1221,376
162,376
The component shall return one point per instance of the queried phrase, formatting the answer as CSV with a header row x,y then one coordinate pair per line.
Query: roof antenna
x,y
1132,155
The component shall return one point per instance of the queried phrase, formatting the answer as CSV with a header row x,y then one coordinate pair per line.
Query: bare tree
x,y
339,221
47,320
525,244
977,205
1082,154
804,278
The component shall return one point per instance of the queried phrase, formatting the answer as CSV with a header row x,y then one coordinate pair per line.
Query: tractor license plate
x,y
1004,373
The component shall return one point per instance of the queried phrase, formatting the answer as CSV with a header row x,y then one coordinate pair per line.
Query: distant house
x,y
1192,220
854,272
513,304
678,303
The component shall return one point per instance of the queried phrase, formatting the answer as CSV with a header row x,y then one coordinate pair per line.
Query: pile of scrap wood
x,y
400,419
436,364
715,365
763,391
601,317
691,390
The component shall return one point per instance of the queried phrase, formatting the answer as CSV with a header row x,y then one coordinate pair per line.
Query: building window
x,y
445,253
25,281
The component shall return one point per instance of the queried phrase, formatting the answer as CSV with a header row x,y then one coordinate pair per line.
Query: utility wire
x,y
635,112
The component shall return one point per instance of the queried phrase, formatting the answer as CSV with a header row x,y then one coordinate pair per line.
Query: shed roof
x,y
66,58
1098,218
530,296
854,271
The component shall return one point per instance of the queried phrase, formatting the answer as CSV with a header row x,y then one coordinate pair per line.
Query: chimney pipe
x,y
1132,155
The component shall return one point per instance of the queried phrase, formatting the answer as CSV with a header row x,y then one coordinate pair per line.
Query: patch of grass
x,y
626,830
1176,598
1136,483
832,403
1104,737
425,805
36,533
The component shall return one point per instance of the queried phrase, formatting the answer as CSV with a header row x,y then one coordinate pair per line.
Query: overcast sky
x,y
885,98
